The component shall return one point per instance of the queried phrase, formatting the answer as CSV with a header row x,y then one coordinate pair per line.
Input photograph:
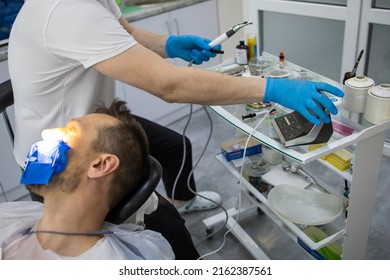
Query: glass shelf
x,y
346,132
266,133
295,231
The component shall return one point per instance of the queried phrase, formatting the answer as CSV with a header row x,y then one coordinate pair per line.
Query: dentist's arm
x,y
187,47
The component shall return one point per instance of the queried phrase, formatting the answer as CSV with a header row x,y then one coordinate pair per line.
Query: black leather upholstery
x,y
129,204
133,201
6,100
6,95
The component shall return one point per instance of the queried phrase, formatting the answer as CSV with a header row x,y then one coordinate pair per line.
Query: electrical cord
x,y
192,170
88,233
3,191
241,186
195,165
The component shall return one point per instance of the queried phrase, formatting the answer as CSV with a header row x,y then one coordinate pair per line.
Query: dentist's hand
x,y
301,96
189,47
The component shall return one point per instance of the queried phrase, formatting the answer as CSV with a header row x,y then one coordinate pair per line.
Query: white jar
x,y
378,104
356,92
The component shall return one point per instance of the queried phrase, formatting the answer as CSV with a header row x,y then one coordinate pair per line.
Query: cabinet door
x,y
200,19
159,24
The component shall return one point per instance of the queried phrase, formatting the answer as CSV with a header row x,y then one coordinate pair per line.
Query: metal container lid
x,y
360,82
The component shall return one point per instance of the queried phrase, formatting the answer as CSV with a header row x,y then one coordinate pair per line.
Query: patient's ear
x,y
103,165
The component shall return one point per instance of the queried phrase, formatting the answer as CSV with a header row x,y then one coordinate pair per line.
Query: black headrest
x,y
133,201
6,95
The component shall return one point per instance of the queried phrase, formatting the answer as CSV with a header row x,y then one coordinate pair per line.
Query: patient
x,y
91,174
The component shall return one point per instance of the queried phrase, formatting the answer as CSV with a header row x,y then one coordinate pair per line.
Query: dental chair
x,y
130,203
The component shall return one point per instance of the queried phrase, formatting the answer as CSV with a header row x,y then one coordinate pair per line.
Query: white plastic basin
x,y
304,206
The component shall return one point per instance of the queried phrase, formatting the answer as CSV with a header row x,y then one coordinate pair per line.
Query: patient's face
x,y
79,135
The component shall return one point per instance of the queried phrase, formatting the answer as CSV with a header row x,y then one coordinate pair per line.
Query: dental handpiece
x,y
223,37
296,169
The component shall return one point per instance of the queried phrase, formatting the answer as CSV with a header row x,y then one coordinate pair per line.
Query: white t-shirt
x,y
128,241
52,46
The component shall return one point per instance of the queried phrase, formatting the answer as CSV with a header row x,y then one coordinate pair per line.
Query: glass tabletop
x,y
345,131
261,128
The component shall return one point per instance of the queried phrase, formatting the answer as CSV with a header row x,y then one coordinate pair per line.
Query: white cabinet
x,y
199,19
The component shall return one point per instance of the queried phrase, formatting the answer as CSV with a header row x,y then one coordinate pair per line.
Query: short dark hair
x,y
128,141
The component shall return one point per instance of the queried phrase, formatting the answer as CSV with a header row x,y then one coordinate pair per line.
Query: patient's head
x,y
108,146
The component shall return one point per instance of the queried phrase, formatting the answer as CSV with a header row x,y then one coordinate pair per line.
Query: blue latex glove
x,y
301,96
189,47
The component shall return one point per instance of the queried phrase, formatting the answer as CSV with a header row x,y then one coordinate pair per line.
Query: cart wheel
x,y
259,211
209,231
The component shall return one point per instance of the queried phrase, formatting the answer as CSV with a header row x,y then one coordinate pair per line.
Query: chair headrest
x,y
6,95
133,201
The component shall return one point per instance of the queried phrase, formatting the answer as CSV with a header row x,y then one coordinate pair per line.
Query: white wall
x,y
230,13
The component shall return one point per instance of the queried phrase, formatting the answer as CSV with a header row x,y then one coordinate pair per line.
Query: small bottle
x,y
251,40
281,60
242,53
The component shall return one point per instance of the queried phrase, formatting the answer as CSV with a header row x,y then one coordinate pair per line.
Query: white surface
x,y
277,176
303,206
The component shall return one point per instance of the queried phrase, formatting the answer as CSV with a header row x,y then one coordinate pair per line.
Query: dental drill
x,y
223,37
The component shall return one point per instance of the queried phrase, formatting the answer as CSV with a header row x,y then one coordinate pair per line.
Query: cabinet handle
x,y
177,26
168,27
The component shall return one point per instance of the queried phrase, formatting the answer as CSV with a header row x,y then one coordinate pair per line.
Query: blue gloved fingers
x,y
208,54
201,43
218,47
300,96
196,60
327,103
320,86
189,47
316,111
199,55
304,112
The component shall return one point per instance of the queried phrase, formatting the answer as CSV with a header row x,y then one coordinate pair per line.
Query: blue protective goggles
x,y
45,159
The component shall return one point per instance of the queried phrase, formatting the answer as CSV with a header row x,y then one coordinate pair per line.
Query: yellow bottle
x,y
252,45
